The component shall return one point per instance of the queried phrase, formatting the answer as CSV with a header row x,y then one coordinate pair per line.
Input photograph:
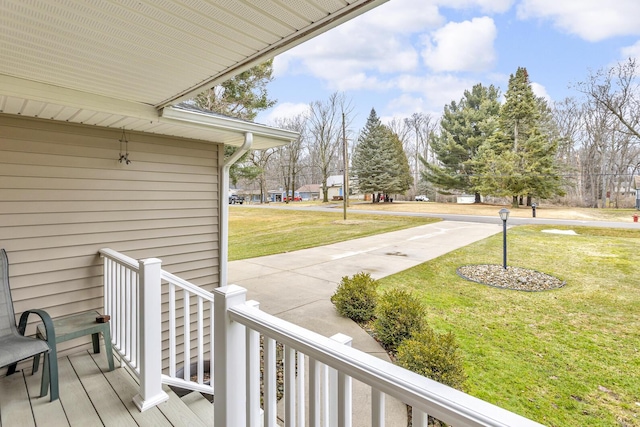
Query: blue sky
x,y
410,56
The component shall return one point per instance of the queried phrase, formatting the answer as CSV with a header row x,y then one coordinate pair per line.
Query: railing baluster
x,y
289,387
377,408
269,379
200,337
315,395
186,334
134,316
127,311
300,379
172,330
253,374
121,304
137,330
326,401
419,418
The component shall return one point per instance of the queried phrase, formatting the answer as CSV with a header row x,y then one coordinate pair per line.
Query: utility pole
x,y
345,175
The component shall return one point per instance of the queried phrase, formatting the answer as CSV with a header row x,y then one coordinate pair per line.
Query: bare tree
x,y
612,122
290,155
420,126
260,160
618,90
325,134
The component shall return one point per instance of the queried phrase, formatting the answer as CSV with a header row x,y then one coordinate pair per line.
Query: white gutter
x,y
224,207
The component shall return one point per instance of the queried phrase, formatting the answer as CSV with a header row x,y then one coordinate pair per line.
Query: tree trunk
x,y
478,199
514,202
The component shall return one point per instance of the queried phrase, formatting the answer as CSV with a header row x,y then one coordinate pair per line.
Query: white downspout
x,y
224,207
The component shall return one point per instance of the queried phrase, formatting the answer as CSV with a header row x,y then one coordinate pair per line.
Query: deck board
x,y
104,399
179,413
45,412
90,395
77,405
14,402
125,386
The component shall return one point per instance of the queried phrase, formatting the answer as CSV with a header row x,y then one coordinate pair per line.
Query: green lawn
x,y
258,232
568,357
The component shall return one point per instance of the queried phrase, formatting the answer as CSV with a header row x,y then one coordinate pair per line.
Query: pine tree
x,y
464,127
243,96
401,172
520,158
378,162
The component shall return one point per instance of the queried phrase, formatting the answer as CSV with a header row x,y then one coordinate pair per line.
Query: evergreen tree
x,y
520,158
464,127
401,172
378,162
242,96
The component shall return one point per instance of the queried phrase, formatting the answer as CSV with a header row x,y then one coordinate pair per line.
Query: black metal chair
x,y
15,347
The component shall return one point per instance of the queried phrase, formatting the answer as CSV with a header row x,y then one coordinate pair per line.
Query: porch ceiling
x,y
118,63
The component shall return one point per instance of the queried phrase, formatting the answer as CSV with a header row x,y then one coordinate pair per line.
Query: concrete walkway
x,y
296,286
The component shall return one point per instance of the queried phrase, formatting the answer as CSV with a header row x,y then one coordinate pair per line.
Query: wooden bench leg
x,y
96,342
106,334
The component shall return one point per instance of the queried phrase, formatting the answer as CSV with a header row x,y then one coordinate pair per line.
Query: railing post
x,y
151,392
229,373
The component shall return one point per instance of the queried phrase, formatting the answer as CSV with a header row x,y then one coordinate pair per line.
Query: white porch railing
x,y
133,297
125,289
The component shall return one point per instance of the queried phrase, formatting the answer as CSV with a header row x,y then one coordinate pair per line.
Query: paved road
x,y
464,218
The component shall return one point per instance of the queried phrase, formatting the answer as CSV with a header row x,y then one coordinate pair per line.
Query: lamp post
x,y
504,216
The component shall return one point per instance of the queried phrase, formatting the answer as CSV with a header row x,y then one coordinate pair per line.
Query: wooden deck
x,y
90,395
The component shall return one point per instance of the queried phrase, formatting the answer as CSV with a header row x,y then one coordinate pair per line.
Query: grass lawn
x,y
258,232
568,357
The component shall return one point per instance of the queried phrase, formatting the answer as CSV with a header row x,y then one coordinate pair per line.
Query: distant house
x,y
281,195
309,192
334,186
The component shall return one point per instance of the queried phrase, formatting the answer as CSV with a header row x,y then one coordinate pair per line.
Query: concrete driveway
x,y
296,286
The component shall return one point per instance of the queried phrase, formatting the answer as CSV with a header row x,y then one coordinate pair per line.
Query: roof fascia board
x,y
349,12
227,123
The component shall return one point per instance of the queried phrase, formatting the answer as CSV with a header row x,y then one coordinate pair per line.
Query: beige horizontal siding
x,y
64,195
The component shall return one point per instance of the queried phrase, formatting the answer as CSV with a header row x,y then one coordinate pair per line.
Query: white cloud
x,y
632,51
592,20
401,16
486,6
436,90
405,103
462,46
285,109
540,91
378,41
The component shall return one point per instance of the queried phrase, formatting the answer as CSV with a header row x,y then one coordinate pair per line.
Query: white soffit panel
x,y
93,58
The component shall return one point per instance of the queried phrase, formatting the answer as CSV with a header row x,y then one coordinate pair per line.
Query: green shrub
x,y
436,356
356,297
398,316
